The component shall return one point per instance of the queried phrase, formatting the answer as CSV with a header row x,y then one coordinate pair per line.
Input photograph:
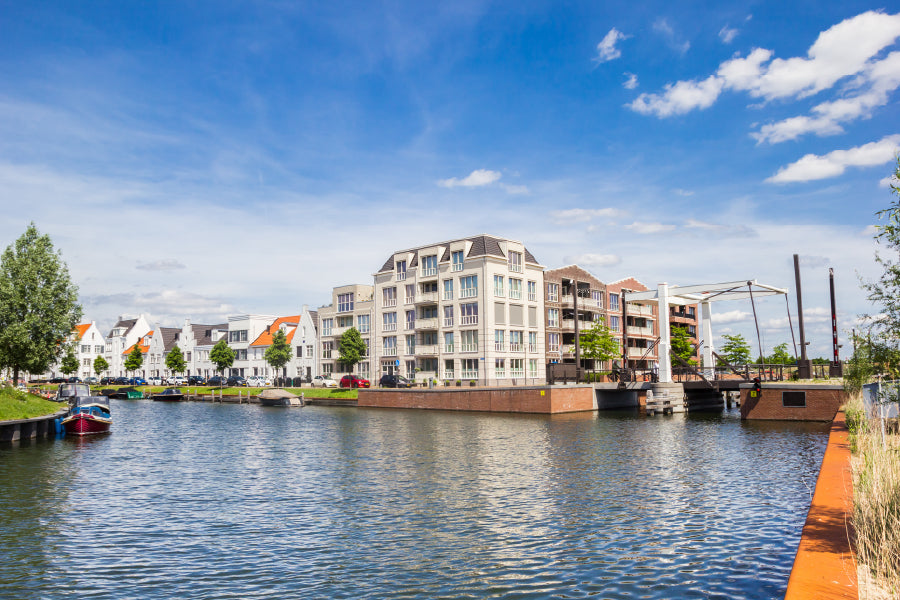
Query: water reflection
x,y
200,500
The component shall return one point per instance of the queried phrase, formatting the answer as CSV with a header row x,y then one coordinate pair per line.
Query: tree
x,y
175,360
598,343
38,304
352,348
885,291
279,353
221,355
135,359
780,355
69,363
100,365
680,345
735,350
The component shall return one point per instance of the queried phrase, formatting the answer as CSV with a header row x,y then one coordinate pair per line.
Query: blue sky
x,y
204,159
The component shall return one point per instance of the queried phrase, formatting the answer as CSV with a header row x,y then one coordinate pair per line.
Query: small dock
x,y
29,429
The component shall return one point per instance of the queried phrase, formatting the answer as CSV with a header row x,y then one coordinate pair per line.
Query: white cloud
x,y
679,98
889,181
842,51
727,34
717,230
648,228
574,215
681,192
594,260
606,49
514,189
662,26
477,178
812,167
167,264
731,316
631,82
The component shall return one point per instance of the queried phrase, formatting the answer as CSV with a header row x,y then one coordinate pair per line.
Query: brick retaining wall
x,y
540,399
822,402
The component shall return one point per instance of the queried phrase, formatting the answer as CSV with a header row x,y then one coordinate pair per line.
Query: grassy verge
x,y
19,405
876,502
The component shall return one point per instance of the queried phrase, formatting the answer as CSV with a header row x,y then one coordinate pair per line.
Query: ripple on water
x,y
223,501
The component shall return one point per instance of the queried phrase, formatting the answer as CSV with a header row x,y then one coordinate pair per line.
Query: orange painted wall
x,y
547,400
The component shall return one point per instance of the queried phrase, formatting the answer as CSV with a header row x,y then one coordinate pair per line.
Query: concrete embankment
x,y
825,567
28,429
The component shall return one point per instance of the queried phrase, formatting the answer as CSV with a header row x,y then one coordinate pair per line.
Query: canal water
x,y
194,500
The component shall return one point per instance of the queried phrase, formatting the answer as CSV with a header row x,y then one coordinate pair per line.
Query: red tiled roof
x,y
144,348
81,329
265,338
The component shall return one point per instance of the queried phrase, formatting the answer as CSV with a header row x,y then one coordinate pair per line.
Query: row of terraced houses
x,y
479,309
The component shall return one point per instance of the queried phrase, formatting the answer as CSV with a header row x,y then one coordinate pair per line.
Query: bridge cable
x,y
756,322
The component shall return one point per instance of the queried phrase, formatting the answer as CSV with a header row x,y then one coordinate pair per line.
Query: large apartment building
x,y
565,289
468,309
351,306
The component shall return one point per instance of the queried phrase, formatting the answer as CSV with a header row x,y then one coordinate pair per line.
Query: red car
x,y
352,381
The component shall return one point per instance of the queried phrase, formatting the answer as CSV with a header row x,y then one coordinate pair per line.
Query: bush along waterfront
x,y
876,502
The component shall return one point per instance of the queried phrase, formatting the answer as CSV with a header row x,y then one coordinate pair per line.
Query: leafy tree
x,y
38,304
175,360
735,350
352,348
885,291
598,343
680,346
279,353
780,355
860,367
69,363
135,359
100,365
221,355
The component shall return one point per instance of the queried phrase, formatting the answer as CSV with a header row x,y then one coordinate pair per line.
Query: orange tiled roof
x,y
265,338
81,329
145,348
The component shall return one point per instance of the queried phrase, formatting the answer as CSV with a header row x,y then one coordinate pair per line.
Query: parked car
x,y
74,380
352,381
324,381
137,381
196,380
258,381
236,381
216,380
90,380
395,381
121,381
175,380
107,381
58,380
154,381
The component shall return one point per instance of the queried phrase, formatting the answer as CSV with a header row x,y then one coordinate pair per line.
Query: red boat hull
x,y
85,425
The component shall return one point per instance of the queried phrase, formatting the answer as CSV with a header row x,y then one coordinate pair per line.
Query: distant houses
x,y
479,309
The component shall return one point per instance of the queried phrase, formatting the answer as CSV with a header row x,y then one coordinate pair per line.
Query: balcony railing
x,y
427,298
639,310
515,294
635,330
468,292
389,327
468,320
500,373
634,352
428,272
410,325
532,347
516,347
427,350
469,374
448,321
499,347
409,300
389,352
470,347
401,276
388,302
516,373
448,348
410,350
553,348
448,374
427,323
532,297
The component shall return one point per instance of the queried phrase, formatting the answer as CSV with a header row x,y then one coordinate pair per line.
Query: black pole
x,y
803,365
836,369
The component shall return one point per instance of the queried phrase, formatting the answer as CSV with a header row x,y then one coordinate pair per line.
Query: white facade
x,y
468,310
300,334
351,306
122,336
196,341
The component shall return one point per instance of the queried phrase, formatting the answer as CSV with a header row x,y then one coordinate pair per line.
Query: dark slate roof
x,y
314,315
170,336
482,245
202,337
126,323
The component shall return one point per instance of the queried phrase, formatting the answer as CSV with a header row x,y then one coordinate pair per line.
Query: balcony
x,y
638,352
427,350
401,276
468,320
427,323
448,374
499,347
516,347
427,298
469,374
389,352
449,349
389,302
428,273
470,347
639,310
448,322
635,330
389,327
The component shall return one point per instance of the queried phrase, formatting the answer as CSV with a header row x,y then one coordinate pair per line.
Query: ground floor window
x,y
470,368
499,368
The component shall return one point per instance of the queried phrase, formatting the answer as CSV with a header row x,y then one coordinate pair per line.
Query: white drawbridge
x,y
704,295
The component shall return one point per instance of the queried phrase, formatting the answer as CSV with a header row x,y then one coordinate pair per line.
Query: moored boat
x,y
278,397
88,415
169,395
